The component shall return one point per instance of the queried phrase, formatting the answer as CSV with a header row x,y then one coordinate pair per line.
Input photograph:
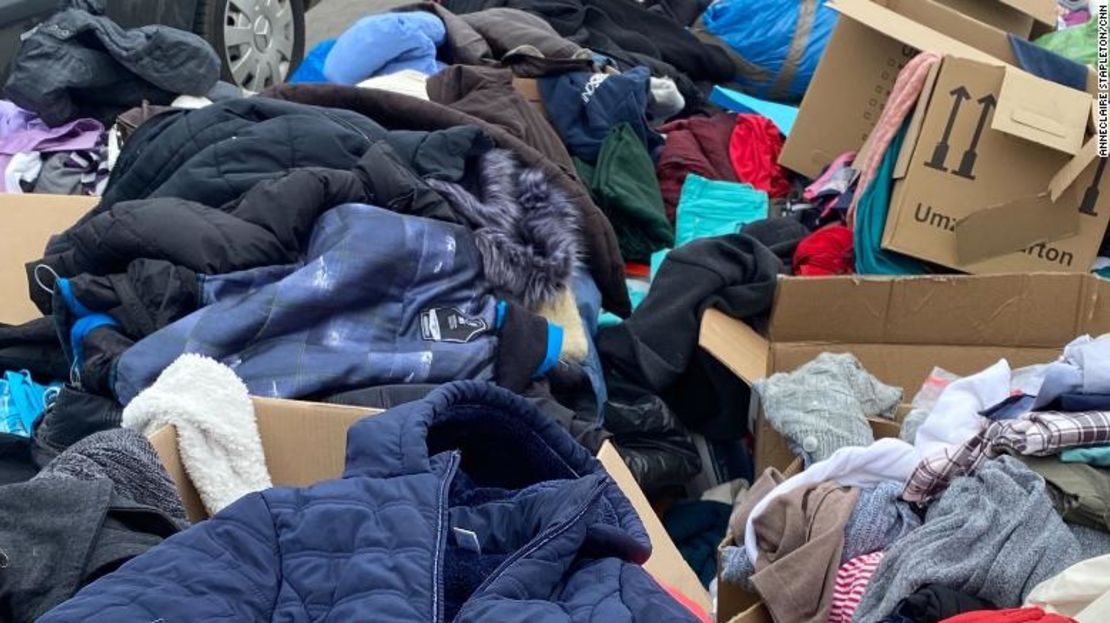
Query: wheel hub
x,y
263,33
259,39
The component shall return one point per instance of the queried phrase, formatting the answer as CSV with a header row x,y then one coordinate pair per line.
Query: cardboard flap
x,y
164,441
666,563
29,222
995,311
1070,172
913,33
1044,11
1013,226
732,342
1041,111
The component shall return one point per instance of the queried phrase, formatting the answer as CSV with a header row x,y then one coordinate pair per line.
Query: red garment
x,y
1017,615
695,145
699,613
754,151
827,251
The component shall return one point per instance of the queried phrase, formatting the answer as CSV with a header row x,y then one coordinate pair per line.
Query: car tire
x,y
260,42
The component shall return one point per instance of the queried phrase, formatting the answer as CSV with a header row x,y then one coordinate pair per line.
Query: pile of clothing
x,y
995,509
73,76
434,519
502,221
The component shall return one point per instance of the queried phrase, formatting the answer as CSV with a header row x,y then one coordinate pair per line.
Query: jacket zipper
x,y
350,125
441,537
544,537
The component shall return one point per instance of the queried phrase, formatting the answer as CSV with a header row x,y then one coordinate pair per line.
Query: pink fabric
x,y
902,100
1077,18
851,582
843,160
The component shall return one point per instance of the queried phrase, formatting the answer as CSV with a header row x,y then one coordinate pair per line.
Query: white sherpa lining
x,y
217,434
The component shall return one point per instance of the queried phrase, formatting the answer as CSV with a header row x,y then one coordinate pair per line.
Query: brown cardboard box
x,y
973,189
872,41
306,442
29,221
901,328
1017,16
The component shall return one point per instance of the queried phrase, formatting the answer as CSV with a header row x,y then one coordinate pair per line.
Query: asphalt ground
x,y
331,17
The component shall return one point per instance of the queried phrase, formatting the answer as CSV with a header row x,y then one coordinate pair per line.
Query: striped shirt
x,y
851,582
1034,434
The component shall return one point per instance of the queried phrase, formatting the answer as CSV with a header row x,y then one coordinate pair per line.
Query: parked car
x,y
260,41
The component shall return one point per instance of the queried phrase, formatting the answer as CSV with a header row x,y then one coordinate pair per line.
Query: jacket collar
x,y
503,441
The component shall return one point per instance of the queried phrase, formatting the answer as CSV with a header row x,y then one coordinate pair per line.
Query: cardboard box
x,y
1021,17
900,329
976,169
306,442
872,42
29,222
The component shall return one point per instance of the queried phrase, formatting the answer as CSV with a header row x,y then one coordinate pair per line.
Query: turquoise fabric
x,y
1096,456
705,208
784,115
871,212
657,261
22,402
708,208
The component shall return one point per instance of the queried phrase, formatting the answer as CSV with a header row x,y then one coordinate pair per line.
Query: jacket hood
x,y
525,228
504,443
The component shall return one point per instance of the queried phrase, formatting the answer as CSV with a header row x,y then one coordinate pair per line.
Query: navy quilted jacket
x,y
466,506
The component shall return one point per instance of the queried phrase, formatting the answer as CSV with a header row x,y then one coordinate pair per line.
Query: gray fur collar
x,y
524,227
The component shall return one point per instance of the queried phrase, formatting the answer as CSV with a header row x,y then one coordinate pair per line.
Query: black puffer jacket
x,y
138,261
264,225
216,154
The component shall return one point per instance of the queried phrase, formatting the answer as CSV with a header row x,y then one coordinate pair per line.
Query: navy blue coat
x,y
467,506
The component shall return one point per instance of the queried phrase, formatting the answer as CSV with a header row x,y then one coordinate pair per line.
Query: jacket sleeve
x,y
224,569
647,601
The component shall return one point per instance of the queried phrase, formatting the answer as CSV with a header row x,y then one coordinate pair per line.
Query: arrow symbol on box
x,y
940,152
967,165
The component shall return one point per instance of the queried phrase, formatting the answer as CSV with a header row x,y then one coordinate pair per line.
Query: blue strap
x,y
502,311
81,329
554,347
74,305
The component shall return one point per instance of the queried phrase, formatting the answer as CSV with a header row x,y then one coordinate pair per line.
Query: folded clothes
x,y
1036,434
1080,493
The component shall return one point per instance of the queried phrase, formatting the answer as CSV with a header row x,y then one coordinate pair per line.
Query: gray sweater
x,y
993,535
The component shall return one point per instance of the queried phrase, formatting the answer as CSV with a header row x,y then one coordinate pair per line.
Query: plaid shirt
x,y
1034,434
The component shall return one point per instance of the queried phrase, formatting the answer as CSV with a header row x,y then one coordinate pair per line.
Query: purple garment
x,y
22,130
1077,18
